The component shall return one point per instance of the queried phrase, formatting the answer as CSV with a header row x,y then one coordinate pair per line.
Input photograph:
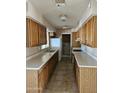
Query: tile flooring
x,y
62,80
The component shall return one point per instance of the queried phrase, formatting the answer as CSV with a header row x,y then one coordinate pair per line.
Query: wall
x,y
60,32
90,11
90,51
33,13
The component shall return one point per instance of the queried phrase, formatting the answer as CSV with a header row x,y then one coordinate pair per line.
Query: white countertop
x,y
84,60
37,62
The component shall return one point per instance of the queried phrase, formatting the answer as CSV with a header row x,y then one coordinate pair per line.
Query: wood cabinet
x,y
35,33
86,78
82,34
77,73
88,33
42,78
91,32
75,42
31,33
36,80
42,35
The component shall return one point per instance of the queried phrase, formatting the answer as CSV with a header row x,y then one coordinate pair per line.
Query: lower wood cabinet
x,y
43,78
86,78
36,80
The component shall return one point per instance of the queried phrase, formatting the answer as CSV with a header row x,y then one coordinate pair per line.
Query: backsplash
x,y
33,50
90,51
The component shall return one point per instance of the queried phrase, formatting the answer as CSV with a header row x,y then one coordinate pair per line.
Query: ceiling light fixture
x,y
60,3
63,17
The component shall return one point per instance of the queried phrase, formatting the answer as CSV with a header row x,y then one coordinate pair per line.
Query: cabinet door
x,y
50,69
78,76
75,43
40,35
31,33
43,78
34,33
44,36
87,33
94,32
27,32
82,35
41,81
77,34
88,80
91,32
45,71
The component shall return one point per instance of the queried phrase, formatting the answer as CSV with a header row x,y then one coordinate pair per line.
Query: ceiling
x,y
73,9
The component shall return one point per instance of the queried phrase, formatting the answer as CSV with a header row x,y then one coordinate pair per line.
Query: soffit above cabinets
x,y
73,9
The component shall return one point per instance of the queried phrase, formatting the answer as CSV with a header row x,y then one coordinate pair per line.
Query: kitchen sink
x,y
51,50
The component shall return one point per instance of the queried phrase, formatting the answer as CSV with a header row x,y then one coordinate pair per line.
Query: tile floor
x,y
62,80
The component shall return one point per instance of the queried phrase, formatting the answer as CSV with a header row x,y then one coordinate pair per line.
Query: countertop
x,y
84,60
37,62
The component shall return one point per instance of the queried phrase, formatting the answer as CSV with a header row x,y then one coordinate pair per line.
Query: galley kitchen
x,y
61,46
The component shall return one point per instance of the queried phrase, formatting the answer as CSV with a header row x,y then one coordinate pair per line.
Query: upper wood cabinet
x,y
35,33
31,33
91,32
42,35
82,34
75,42
88,33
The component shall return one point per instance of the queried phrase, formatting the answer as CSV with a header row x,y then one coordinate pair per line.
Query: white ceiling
x,y
74,9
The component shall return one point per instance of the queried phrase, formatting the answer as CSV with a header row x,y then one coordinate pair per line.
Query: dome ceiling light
x,y
60,3
63,17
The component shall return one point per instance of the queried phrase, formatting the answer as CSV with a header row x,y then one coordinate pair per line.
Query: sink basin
x,y
51,50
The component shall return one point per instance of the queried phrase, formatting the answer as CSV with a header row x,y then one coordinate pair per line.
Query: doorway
x,y
66,45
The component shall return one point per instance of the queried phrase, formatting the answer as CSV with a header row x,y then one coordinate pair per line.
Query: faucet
x,y
49,49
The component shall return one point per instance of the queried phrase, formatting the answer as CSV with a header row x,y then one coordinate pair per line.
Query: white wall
x,y
90,51
90,11
33,13
31,51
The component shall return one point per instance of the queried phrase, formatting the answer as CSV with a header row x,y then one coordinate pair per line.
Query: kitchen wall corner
x,y
90,51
